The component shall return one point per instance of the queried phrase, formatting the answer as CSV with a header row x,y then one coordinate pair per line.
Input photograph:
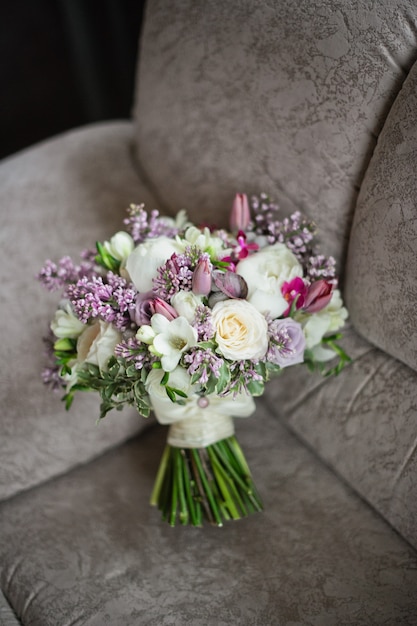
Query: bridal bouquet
x,y
190,323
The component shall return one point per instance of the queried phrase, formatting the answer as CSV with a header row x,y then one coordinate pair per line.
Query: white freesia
x,y
142,264
172,339
241,331
146,334
185,304
328,320
265,272
203,239
120,246
97,343
65,324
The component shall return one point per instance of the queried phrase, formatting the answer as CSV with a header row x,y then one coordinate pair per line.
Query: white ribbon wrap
x,y
200,421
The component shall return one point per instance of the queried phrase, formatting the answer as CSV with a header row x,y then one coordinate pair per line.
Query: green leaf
x,y
165,379
170,394
223,379
256,387
105,259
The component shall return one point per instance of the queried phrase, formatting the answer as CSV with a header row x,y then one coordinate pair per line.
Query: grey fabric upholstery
x,y
88,549
57,198
382,303
310,102
284,97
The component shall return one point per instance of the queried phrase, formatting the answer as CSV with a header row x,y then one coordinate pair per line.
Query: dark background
x,y
64,63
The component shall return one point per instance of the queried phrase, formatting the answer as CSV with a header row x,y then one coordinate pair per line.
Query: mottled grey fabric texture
x,y
283,97
87,548
362,423
381,287
7,615
56,199
287,98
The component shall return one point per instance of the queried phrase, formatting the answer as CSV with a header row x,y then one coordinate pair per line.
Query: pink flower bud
x,y
165,309
240,215
318,296
201,283
147,304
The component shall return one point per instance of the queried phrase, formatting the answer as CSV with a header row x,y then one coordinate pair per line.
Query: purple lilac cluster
x,y
321,267
242,373
112,301
142,225
134,351
177,273
204,362
295,231
203,323
56,276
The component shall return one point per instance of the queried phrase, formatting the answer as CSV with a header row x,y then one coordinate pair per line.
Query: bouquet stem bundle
x,y
212,483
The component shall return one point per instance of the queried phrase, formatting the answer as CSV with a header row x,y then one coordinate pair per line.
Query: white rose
x,y
265,272
142,264
120,246
203,239
185,304
97,343
241,331
328,320
65,324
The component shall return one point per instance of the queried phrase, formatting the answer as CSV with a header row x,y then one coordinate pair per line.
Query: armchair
x,y
314,103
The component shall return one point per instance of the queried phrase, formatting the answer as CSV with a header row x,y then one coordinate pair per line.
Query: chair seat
x,y
87,548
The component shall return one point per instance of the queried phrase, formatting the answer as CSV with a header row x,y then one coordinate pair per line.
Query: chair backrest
x,y
283,97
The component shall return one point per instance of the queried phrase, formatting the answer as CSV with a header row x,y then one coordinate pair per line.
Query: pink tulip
x,y
240,215
318,296
201,283
147,304
165,309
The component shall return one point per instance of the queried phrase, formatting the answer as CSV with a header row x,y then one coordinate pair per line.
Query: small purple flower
x,y
287,342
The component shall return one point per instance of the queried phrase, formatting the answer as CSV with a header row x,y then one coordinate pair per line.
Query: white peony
x,y
97,343
120,246
265,272
65,324
241,331
328,320
185,304
142,264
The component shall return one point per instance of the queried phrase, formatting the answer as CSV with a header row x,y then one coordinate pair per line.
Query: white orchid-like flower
x,y
172,338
